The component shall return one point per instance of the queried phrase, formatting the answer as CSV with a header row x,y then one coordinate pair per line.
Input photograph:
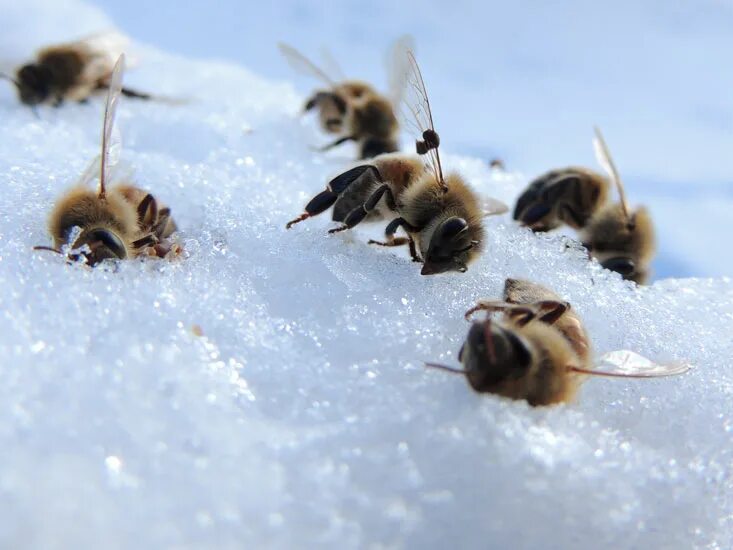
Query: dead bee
x,y
622,240
538,349
565,196
117,223
72,71
442,216
354,110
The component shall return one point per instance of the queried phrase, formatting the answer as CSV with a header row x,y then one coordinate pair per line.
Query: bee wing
x,y
302,64
627,364
330,65
603,155
493,207
418,117
111,141
398,67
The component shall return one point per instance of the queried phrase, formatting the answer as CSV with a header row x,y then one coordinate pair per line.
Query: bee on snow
x,y
72,71
441,215
121,222
354,110
538,350
620,238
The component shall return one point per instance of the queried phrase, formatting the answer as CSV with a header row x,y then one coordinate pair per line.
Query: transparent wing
x,y
91,172
603,155
418,118
493,207
302,64
111,141
331,66
627,364
398,67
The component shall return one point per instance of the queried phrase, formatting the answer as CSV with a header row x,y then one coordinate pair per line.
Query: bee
x,y
117,223
441,216
354,110
620,239
568,196
72,71
538,350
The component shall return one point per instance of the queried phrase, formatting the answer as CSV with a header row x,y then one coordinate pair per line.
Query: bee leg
x,y
523,313
390,231
325,199
148,240
554,310
127,92
360,212
336,143
342,181
320,203
160,226
147,211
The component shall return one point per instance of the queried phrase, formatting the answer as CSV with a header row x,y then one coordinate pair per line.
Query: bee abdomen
x,y
375,146
65,66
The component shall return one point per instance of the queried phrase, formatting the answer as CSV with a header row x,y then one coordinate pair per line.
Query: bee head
x,y
450,247
34,84
103,245
331,110
493,354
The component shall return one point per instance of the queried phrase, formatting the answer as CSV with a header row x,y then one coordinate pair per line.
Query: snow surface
x,y
303,417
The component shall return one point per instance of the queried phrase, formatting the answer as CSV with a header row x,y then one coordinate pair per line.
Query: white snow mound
x,y
303,417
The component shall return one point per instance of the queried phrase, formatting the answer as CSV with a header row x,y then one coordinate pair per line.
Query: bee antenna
x,y
10,78
446,368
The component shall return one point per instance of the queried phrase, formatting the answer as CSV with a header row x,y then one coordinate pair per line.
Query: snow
x,y
302,416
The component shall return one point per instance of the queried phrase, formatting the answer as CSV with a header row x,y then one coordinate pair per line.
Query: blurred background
x,y
524,81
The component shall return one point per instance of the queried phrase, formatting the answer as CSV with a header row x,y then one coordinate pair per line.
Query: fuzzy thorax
x,y
425,205
82,207
547,379
611,233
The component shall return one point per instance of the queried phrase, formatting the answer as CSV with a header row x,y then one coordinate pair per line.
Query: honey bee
x,y
117,223
72,71
538,350
442,216
354,110
620,239
569,196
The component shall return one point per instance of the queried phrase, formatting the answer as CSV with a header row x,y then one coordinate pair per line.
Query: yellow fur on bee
x,y
547,380
82,207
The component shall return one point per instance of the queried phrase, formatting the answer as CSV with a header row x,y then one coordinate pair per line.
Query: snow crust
x,y
303,416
